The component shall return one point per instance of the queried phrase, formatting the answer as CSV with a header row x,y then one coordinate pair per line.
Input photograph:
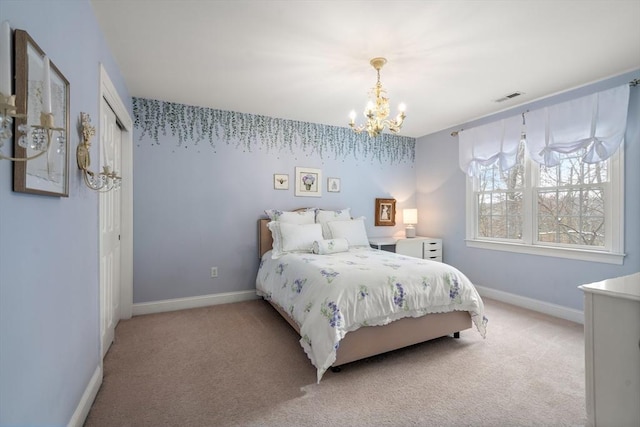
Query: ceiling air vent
x,y
508,97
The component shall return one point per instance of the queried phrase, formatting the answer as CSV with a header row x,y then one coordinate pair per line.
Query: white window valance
x,y
485,145
596,122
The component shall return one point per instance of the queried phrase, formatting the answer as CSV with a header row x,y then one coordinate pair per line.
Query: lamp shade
x,y
410,216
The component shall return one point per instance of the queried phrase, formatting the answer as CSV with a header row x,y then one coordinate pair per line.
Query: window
x,y
499,201
573,209
550,183
570,202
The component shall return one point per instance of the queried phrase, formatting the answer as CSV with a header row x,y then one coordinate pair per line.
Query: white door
x,y
110,213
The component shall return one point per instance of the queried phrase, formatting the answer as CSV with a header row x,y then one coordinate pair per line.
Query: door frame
x,y
110,94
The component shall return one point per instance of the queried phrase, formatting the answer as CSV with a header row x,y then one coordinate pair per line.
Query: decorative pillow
x,y
323,217
297,217
352,230
289,237
330,246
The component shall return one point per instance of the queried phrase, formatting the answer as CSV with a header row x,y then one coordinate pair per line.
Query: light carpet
x,y
241,365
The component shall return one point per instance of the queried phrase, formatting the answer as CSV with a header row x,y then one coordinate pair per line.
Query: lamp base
x,y
410,232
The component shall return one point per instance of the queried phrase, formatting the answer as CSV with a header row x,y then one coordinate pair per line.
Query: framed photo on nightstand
x,y
385,213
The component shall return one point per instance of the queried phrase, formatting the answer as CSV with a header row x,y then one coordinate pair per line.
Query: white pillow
x,y
323,217
289,237
297,217
331,246
352,230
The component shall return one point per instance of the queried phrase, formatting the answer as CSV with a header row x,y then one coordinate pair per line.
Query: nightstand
x,y
419,246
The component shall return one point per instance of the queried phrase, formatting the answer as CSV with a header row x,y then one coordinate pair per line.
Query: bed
x,y
359,318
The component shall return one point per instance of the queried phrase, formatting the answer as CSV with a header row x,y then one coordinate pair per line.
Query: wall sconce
x,y
41,134
410,218
104,181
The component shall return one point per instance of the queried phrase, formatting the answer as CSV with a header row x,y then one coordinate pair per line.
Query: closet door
x,y
110,213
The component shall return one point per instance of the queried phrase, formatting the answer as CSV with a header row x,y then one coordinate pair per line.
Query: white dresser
x,y
612,351
419,246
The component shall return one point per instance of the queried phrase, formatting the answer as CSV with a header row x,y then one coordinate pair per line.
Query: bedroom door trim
x,y
109,93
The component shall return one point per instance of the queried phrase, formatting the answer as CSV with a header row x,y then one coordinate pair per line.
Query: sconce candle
x,y
5,59
46,79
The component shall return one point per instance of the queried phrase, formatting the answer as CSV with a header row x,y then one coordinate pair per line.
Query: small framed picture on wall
x,y
333,185
385,213
281,181
308,182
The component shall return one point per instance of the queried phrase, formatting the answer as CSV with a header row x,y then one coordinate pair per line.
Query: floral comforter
x,y
330,295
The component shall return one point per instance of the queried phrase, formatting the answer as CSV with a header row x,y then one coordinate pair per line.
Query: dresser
x,y
612,351
419,246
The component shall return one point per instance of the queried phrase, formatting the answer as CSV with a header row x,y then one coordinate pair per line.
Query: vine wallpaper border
x,y
193,124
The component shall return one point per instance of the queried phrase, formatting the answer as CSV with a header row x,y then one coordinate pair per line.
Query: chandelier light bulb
x,y
369,108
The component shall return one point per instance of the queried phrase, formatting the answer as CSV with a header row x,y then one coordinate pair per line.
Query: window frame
x,y
611,253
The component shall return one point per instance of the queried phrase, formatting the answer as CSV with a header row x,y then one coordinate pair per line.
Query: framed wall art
x,y
47,174
385,212
280,181
308,182
333,185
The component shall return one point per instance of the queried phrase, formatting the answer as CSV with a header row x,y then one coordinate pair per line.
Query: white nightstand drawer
x,y
433,254
432,244
418,247
429,253
432,249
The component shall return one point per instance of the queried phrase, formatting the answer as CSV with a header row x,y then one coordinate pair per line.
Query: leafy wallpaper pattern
x,y
191,125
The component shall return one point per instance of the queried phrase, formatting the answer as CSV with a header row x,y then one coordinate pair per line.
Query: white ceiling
x,y
448,61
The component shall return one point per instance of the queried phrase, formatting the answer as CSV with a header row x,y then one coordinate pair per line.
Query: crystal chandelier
x,y
377,109
104,181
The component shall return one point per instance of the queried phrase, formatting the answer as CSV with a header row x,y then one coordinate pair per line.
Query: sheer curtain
x,y
596,122
490,143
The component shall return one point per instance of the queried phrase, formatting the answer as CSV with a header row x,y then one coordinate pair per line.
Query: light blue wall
x,y
441,203
197,207
49,316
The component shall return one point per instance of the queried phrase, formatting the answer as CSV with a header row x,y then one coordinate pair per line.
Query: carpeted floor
x,y
241,365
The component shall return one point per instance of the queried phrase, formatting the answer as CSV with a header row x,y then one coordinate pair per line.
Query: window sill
x,y
578,254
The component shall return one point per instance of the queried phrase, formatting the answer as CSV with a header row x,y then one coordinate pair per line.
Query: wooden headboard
x,y
265,241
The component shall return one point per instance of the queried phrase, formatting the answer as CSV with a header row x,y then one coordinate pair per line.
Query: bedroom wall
x,y
197,205
441,204
49,316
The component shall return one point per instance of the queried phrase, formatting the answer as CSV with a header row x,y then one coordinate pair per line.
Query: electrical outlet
x,y
214,271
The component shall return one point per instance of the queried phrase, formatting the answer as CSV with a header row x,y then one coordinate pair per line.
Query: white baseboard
x,y
554,310
191,302
82,410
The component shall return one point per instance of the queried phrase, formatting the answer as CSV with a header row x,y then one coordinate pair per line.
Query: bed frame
x,y
372,340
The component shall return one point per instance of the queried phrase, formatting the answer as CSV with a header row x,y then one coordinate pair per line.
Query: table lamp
x,y
410,218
